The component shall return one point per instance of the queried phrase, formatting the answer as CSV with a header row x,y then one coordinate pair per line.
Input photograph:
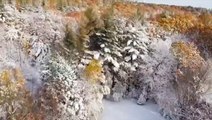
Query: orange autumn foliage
x,y
75,15
177,22
187,55
192,25
203,31
126,9
190,71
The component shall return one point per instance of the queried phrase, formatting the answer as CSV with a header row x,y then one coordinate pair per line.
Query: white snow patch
x,y
129,110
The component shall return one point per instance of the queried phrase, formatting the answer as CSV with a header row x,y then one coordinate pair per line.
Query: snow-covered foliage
x,y
26,41
140,62
15,100
61,97
65,95
129,52
206,87
131,59
29,38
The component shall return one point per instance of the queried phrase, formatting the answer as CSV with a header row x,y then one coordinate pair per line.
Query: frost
x,y
134,57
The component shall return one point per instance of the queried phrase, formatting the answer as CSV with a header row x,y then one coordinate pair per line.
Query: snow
x,y
129,110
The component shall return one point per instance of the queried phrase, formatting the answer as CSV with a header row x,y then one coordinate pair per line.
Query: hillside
x,y
61,58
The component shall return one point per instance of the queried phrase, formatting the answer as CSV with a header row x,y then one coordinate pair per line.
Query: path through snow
x,y
129,110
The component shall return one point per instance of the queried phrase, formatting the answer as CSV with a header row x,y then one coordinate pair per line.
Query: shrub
x,y
187,55
52,3
15,99
194,26
202,32
92,20
62,91
26,45
93,71
178,22
90,23
107,15
206,19
189,72
126,9
138,16
71,38
76,40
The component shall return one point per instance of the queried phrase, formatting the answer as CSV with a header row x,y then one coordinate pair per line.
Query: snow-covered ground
x,y
194,3
129,110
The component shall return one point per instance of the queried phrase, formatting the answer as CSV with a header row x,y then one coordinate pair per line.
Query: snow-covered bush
x,y
16,101
66,95
60,97
192,83
189,72
206,86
